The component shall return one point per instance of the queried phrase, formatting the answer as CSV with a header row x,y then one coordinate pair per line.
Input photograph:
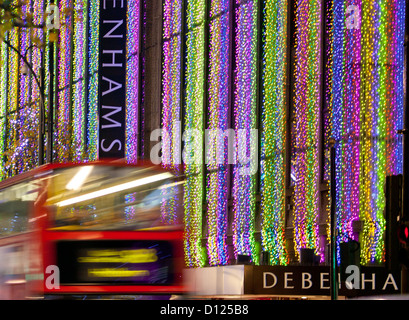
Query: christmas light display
x,y
307,129
132,83
367,79
210,74
171,102
79,97
244,204
273,141
171,79
63,131
12,146
23,121
194,129
219,45
3,104
93,58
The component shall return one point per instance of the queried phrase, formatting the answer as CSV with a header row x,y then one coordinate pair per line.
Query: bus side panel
x,y
15,267
51,285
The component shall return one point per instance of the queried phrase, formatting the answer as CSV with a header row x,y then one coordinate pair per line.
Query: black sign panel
x,y
315,280
121,262
112,78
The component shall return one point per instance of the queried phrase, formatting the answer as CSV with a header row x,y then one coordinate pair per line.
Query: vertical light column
x,y
337,99
382,40
219,34
3,104
37,54
244,204
171,82
171,102
367,81
24,127
307,102
396,58
194,130
11,144
273,141
381,115
132,93
327,119
346,130
26,148
132,81
93,65
392,66
63,125
369,155
337,106
349,195
79,100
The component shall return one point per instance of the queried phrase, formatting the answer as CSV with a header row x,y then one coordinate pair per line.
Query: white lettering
x,y
111,145
52,14
53,280
118,24
306,279
215,146
352,281
111,88
322,280
248,163
372,280
265,285
113,52
208,309
114,4
390,280
114,123
192,152
286,279
353,21
155,151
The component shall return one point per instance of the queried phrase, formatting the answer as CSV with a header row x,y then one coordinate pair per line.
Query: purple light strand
x,y
132,85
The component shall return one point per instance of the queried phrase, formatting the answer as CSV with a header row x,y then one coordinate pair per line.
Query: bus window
x,y
16,203
112,198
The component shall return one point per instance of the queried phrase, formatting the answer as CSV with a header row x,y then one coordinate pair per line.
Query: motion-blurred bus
x,y
91,229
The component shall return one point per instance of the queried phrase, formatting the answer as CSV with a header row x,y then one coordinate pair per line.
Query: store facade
x,y
243,96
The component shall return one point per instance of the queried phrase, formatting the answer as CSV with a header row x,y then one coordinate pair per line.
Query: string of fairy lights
x,y
171,111
210,80
132,82
23,105
63,126
217,210
306,118
366,114
346,122
171,79
245,95
194,126
38,9
79,98
12,124
327,115
3,104
273,141
93,61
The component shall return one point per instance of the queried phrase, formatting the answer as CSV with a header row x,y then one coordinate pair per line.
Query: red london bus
x,y
96,228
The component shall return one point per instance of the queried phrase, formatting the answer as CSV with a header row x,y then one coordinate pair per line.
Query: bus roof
x,y
42,170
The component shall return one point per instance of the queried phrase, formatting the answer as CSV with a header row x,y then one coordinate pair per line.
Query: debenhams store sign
x,y
291,280
316,281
